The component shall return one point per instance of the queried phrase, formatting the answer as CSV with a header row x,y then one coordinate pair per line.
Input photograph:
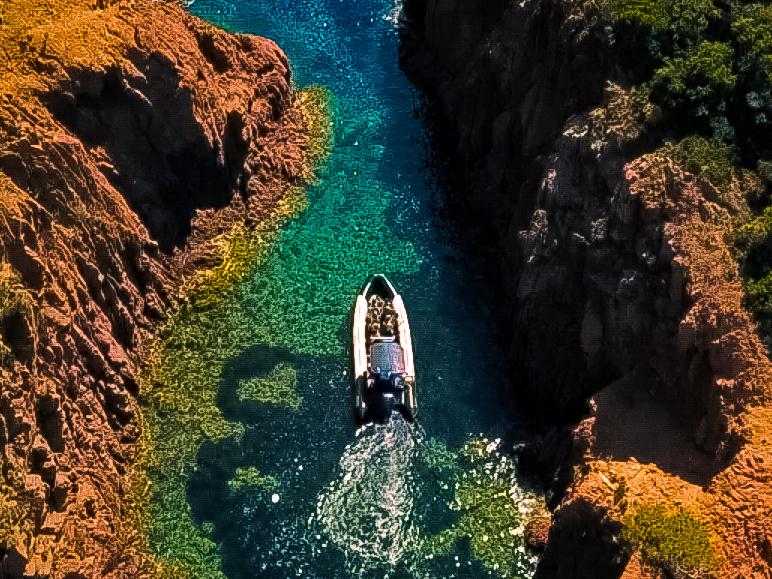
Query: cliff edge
x,y
131,135
625,297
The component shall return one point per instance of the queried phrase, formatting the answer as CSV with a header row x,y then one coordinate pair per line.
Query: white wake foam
x,y
368,511
394,14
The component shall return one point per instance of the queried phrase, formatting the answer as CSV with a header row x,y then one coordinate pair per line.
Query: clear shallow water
x,y
331,500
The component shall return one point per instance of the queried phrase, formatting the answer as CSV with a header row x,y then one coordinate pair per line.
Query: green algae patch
x,y
181,414
287,284
241,250
442,462
317,107
493,512
676,539
183,371
250,479
180,399
279,387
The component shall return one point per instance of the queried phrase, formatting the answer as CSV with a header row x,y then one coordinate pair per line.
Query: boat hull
x,y
373,403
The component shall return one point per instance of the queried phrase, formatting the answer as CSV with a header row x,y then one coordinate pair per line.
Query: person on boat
x,y
376,307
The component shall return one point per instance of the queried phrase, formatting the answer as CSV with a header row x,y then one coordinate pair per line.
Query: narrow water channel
x,y
303,492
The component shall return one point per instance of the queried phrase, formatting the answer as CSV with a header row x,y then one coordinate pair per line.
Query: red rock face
x,y
626,303
641,440
537,533
130,135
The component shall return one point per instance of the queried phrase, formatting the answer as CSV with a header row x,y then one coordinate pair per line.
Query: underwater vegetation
x,y
182,378
249,479
673,538
280,387
492,508
268,289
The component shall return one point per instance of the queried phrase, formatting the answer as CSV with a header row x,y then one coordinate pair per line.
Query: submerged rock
x,y
536,533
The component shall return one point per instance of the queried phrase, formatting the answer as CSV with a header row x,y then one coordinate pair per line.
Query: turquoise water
x,y
334,500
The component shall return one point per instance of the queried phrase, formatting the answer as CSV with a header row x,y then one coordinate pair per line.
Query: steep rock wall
x,y
131,134
625,302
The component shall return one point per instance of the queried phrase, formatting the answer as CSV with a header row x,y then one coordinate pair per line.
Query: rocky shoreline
x,y
107,113
625,302
625,305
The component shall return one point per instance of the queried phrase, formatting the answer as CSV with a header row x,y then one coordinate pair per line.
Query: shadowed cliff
x,y
625,299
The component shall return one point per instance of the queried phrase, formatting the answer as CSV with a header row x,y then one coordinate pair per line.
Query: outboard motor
x,y
403,410
392,404
384,396
398,386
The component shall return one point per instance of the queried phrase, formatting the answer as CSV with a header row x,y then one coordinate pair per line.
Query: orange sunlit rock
x,y
131,134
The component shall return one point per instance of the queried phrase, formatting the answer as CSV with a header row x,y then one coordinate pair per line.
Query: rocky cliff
x,y
625,301
131,135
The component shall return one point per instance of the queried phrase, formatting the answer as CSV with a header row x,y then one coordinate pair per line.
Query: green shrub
x,y
709,159
764,169
756,232
647,12
754,243
758,299
752,27
675,539
678,16
707,66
